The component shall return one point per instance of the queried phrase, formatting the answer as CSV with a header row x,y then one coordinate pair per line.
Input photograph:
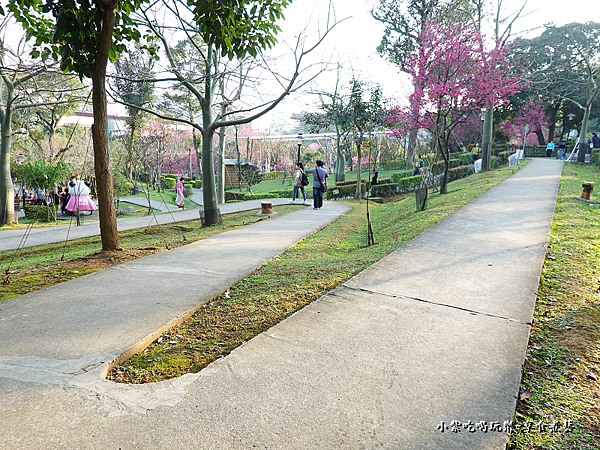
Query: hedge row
x,y
439,167
459,172
272,175
397,176
242,196
391,164
345,190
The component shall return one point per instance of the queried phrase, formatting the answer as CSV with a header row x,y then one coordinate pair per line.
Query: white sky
x,y
354,41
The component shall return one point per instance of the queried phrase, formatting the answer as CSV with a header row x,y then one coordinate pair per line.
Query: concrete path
x,y
432,336
160,206
196,196
11,239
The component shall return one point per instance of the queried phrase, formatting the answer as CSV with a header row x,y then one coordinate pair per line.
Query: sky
x,y
353,42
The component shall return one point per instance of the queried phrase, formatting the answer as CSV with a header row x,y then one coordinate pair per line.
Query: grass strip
x,y
558,407
294,279
33,268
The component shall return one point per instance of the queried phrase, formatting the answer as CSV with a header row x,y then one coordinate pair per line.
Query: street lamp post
x,y
299,145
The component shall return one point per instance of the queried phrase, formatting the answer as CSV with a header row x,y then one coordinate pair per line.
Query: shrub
x,y
346,190
40,213
394,188
502,157
457,173
391,164
397,176
272,175
438,167
196,184
231,196
169,183
595,156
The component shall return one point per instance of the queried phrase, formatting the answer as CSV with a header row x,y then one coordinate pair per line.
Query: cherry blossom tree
x,y
531,116
455,75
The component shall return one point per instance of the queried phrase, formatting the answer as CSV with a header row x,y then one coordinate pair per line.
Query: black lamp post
x,y
299,144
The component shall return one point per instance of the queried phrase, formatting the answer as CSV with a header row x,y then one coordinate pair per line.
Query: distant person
x,y
64,200
40,195
595,141
298,183
319,183
562,148
418,165
549,149
374,179
180,199
475,153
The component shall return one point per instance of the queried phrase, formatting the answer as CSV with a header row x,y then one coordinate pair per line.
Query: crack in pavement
x,y
471,311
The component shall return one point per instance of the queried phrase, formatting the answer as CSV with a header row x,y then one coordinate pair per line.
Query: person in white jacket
x,y
298,183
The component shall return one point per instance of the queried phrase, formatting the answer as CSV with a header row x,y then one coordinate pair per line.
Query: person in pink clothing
x,y
179,190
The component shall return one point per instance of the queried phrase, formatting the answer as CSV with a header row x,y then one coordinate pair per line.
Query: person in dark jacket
x,y
319,183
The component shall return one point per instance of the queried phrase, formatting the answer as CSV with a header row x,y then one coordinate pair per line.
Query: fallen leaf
x,y
525,394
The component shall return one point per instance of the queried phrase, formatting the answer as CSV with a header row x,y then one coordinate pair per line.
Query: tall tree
x,y
334,115
404,22
83,35
17,93
61,94
457,75
133,83
235,30
564,66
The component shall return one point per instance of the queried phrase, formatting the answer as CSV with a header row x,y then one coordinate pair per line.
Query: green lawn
x,y
288,182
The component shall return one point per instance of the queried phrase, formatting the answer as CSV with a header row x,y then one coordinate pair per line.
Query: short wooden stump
x,y
588,187
266,207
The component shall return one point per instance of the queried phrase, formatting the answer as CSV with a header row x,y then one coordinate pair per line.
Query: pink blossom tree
x,y
531,114
455,75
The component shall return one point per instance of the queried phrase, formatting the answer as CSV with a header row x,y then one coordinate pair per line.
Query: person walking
x,y
298,183
562,147
180,199
319,183
549,149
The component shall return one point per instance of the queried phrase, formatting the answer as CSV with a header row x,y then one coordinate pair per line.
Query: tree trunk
x,y
129,151
552,118
220,162
583,145
411,150
486,145
540,136
106,205
196,141
358,164
211,209
8,215
340,168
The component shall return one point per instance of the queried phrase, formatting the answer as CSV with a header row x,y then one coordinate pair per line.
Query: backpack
x,y
304,179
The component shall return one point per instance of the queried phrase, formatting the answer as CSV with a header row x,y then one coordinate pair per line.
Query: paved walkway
x,y
11,239
196,196
434,333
